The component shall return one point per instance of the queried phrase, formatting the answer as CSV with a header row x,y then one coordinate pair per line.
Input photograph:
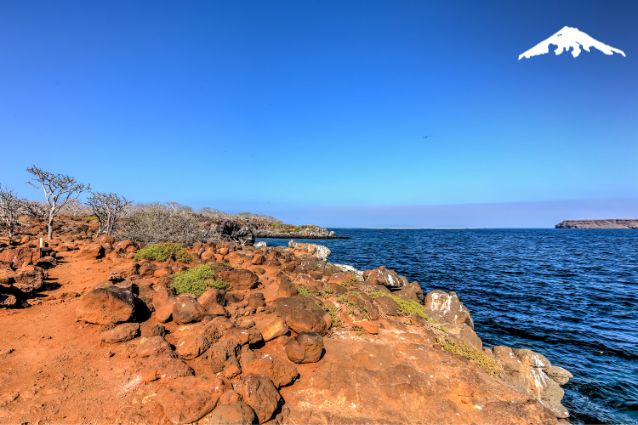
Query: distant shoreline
x,y
599,224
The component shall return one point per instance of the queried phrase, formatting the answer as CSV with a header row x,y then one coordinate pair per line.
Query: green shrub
x,y
196,280
333,312
406,307
162,251
460,348
304,291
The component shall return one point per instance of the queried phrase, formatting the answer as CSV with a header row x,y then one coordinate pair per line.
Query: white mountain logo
x,y
569,38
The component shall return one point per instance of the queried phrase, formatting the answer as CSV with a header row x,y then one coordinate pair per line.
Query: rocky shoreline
x,y
98,333
599,224
265,234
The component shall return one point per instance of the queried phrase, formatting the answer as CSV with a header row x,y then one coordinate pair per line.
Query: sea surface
x,y
571,295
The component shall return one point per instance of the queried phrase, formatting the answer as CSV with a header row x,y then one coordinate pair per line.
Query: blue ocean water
x,y
569,294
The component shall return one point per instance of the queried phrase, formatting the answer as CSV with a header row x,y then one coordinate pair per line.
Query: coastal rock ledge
x,y
599,224
279,335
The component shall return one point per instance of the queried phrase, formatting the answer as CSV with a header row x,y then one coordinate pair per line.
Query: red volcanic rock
x,y
187,310
305,348
190,398
302,314
213,302
270,326
121,333
385,277
447,308
239,279
260,393
106,305
236,413
153,346
276,367
29,279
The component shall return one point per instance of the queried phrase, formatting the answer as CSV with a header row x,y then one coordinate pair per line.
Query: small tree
x,y
10,210
57,189
35,209
108,208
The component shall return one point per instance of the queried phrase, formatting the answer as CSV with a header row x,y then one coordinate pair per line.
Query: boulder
x,y
94,251
8,300
276,367
532,373
163,367
284,286
46,262
7,276
163,302
305,348
29,279
106,305
236,413
270,326
239,279
256,300
302,314
385,277
153,346
149,328
17,257
190,341
447,308
186,309
125,247
257,260
319,251
121,333
189,398
411,291
213,302
207,255
260,393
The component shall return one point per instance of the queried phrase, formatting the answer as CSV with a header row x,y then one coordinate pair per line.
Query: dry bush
x,y
10,210
108,208
165,223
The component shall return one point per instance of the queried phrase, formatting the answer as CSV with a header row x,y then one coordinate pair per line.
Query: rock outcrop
x,y
280,336
599,224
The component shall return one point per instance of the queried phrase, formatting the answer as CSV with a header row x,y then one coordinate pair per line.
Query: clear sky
x,y
317,110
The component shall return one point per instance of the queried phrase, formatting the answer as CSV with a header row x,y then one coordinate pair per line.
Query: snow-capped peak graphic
x,y
569,38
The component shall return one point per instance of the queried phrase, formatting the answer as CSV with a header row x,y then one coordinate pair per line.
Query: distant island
x,y
599,224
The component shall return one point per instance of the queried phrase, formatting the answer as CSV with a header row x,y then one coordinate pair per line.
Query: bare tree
x,y
10,210
108,208
57,189
74,208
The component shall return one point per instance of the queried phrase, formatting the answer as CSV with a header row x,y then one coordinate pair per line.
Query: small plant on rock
x,y
196,280
304,291
406,307
162,251
463,349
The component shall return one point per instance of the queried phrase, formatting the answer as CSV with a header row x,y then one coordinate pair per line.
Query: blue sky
x,y
316,110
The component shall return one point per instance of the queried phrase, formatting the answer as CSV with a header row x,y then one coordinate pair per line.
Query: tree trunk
x,y
50,228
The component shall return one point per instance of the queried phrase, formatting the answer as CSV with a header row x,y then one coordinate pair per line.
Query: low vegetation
x,y
163,251
406,307
196,280
460,348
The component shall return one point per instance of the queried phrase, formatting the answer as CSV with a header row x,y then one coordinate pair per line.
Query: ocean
x,y
568,294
